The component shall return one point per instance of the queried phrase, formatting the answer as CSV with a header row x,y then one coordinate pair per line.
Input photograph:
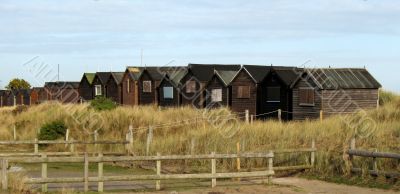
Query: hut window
x,y
97,90
168,92
147,86
190,87
128,86
243,92
273,94
307,96
216,95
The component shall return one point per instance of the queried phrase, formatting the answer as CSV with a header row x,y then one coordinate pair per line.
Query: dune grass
x,y
186,130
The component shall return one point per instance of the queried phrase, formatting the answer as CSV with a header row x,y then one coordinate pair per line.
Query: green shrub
x,y
52,131
102,103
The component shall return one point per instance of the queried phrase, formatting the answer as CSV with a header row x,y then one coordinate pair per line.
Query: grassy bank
x,y
186,130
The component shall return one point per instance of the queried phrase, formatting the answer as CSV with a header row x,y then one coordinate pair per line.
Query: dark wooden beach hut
x,y
333,91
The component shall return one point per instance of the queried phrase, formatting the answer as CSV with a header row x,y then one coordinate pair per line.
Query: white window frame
x,y
172,92
98,90
214,95
147,81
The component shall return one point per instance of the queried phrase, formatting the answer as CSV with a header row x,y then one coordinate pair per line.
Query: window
x,y
216,95
307,96
97,90
243,92
147,86
168,92
273,94
190,87
128,86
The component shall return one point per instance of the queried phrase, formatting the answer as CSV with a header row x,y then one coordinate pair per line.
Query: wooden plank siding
x,y
114,90
301,112
95,83
70,94
349,100
129,89
34,96
240,105
85,89
146,98
194,99
168,102
267,106
216,83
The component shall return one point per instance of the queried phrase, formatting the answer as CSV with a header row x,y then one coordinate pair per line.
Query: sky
x,y
107,35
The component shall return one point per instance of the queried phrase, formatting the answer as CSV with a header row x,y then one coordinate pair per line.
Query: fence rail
x,y
48,142
371,154
268,172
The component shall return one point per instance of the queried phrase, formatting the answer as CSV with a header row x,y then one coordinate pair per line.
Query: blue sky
x,y
104,35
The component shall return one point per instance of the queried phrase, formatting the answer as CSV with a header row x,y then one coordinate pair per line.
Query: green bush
x,y
102,103
52,131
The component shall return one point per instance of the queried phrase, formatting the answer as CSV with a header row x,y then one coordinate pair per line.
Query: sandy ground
x,y
291,185
287,186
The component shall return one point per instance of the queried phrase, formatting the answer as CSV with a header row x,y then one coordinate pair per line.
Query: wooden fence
x,y
374,155
101,159
68,142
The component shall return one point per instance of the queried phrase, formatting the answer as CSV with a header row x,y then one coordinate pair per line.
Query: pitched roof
x,y
288,74
103,76
156,72
258,72
117,76
226,76
204,72
175,76
343,78
62,84
89,77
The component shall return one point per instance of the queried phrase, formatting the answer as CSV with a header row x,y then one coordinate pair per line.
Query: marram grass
x,y
184,131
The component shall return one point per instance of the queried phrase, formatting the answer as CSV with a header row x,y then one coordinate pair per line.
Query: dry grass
x,y
332,135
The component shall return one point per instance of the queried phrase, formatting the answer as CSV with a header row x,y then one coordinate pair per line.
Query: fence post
x,y
313,153
247,116
95,138
213,170
251,119
15,133
375,163
131,137
321,115
149,139
72,146
44,174
352,147
158,182
238,158
280,115
100,186
86,173
36,146
270,166
4,178
66,137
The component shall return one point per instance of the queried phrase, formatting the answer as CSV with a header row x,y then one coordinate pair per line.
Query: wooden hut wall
x,y
244,93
